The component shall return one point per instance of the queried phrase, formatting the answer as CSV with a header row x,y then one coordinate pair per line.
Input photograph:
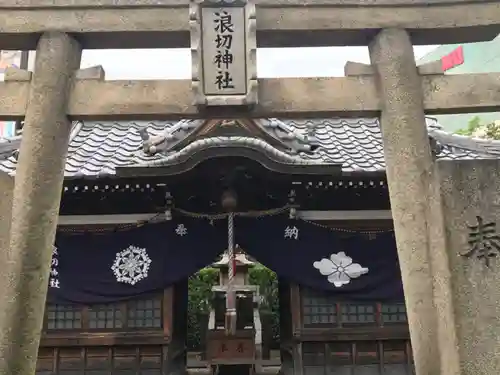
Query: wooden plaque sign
x,y
231,349
223,52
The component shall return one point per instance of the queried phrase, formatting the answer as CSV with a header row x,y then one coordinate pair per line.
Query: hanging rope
x,y
230,294
353,231
221,216
230,246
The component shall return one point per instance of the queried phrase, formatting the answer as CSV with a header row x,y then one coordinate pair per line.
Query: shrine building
x,y
145,206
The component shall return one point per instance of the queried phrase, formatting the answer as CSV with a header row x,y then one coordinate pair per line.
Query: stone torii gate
x,y
392,87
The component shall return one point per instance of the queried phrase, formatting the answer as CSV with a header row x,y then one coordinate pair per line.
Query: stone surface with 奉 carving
x,y
466,258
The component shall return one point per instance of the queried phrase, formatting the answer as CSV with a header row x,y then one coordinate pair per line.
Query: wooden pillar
x,y
36,199
409,174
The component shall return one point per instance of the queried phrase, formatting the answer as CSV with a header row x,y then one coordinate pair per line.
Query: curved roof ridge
x,y
9,140
169,137
76,126
486,147
222,141
297,140
8,146
464,142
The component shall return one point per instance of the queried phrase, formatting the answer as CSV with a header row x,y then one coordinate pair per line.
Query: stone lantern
x,y
243,348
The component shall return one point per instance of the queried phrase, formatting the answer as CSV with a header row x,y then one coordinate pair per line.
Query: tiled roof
x,y
8,146
97,149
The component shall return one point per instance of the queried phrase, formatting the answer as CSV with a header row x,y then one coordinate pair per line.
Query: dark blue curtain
x,y
352,266
111,266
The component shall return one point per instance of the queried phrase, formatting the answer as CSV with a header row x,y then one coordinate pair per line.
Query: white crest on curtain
x,y
340,269
131,265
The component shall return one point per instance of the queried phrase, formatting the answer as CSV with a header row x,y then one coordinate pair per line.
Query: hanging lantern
x,y
229,200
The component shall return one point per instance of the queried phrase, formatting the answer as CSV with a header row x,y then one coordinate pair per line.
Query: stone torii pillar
x,y
36,199
409,166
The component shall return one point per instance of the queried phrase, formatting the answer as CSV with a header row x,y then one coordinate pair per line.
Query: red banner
x,y
453,59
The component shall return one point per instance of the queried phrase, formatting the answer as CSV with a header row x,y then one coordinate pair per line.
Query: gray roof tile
x,y
96,149
8,145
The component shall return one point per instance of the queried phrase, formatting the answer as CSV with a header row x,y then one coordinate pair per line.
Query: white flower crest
x,y
131,265
340,269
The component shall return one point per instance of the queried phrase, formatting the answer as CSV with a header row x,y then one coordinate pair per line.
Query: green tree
x,y
267,280
199,304
476,128
200,301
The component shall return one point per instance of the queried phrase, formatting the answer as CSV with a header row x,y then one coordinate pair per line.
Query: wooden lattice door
x,y
352,337
127,338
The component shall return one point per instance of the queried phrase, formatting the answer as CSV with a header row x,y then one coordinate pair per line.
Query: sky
x,y
271,62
